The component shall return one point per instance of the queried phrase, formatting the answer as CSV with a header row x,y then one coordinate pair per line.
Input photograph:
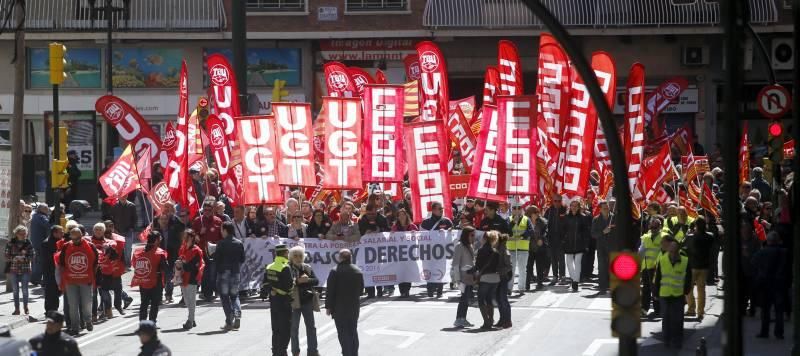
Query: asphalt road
x,y
549,322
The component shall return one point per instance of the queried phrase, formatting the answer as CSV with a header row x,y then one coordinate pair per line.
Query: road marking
x,y
561,299
411,337
568,310
545,300
539,314
600,304
513,339
596,344
324,335
528,325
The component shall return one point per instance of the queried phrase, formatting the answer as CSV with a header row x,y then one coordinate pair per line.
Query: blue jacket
x,y
40,229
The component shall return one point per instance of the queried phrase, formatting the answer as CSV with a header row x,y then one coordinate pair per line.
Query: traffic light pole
x,y
239,38
56,215
796,168
733,20
627,345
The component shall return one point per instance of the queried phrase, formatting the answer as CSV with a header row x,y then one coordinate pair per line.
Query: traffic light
x,y
279,91
775,141
202,109
58,174
625,295
57,63
62,142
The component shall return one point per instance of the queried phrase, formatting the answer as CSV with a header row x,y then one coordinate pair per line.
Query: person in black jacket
x,y
698,245
170,229
229,258
538,253
493,221
771,281
345,283
53,342
437,221
319,224
575,241
151,345
51,291
372,221
486,262
603,234
555,215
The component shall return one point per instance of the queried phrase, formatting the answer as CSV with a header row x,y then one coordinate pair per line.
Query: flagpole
x,y
139,181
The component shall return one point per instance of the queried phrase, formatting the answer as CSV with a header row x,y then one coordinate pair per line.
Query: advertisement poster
x,y
147,67
264,65
80,136
82,68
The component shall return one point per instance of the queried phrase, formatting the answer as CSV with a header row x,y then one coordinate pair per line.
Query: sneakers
x,y
460,323
237,322
467,323
226,327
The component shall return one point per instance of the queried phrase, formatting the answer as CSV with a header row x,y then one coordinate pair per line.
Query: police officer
x,y
518,245
672,283
53,341
278,283
650,249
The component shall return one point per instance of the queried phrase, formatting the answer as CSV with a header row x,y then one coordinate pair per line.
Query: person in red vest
x,y
149,267
209,228
78,260
119,269
105,252
190,264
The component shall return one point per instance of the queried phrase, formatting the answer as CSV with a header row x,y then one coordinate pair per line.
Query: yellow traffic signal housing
x,y
57,63
63,134
58,174
626,301
279,91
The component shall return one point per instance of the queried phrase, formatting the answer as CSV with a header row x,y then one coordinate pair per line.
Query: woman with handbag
x,y
305,300
486,263
19,253
463,273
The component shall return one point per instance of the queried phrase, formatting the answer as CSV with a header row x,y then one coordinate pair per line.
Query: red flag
x,y
144,169
467,106
461,135
360,78
601,156
683,139
575,159
686,203
175,144
657,101
120,179
338,80
656,170
380,77
484,180
760,232
553,89
383,133
221,150
257,140
788,149
709,203
633,132
517,144
510,68
224,94
427,170
411,63
158,196
130,125
744,157
294,131
343,149
168,141
491,85
434,95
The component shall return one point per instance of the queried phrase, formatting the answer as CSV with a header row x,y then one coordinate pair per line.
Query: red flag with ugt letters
x,y
427,169
491,85
294,132
483,177
510,68
383,133
517,144
257,142
221,150
360,78
343,145
462,136
633,132
130,125
338,80
577,147
224,94
434,95
411,63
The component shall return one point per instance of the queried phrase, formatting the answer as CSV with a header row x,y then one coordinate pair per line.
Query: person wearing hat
x,y
52,342
149,267
148,336
278,284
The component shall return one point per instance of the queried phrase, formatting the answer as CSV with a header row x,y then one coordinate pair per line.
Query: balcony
x,y
143,16
498,14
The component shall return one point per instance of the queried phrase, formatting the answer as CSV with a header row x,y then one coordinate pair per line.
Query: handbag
x,y
468,278
315,301
479,273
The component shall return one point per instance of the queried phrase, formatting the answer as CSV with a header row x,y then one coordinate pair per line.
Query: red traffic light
x,y
203,102
624,267
775,129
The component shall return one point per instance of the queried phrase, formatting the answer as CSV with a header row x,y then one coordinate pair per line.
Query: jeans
x,y
519,260
434,288
347,328
80,305
587,262
168,275
574,266
557,259
672,323
464,301
16,279
539,260
51,294
503,306
209,279
699,280
119,293
602,267
151,299
36,265
486,292
190,298
307,311
228,291
128,246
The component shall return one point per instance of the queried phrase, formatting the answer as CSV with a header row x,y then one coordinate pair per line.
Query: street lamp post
x,y
109,9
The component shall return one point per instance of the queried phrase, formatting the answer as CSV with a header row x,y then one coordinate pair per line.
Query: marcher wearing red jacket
x,y
149,266
78,260
190,263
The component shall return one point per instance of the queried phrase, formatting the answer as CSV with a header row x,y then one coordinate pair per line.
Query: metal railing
x,y
144,15
587,13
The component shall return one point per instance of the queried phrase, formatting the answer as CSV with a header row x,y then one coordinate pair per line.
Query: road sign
x,y
774,101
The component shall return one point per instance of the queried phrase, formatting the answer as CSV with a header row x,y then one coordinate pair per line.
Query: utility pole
x,y
796,168
239,37
734,18
15,191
